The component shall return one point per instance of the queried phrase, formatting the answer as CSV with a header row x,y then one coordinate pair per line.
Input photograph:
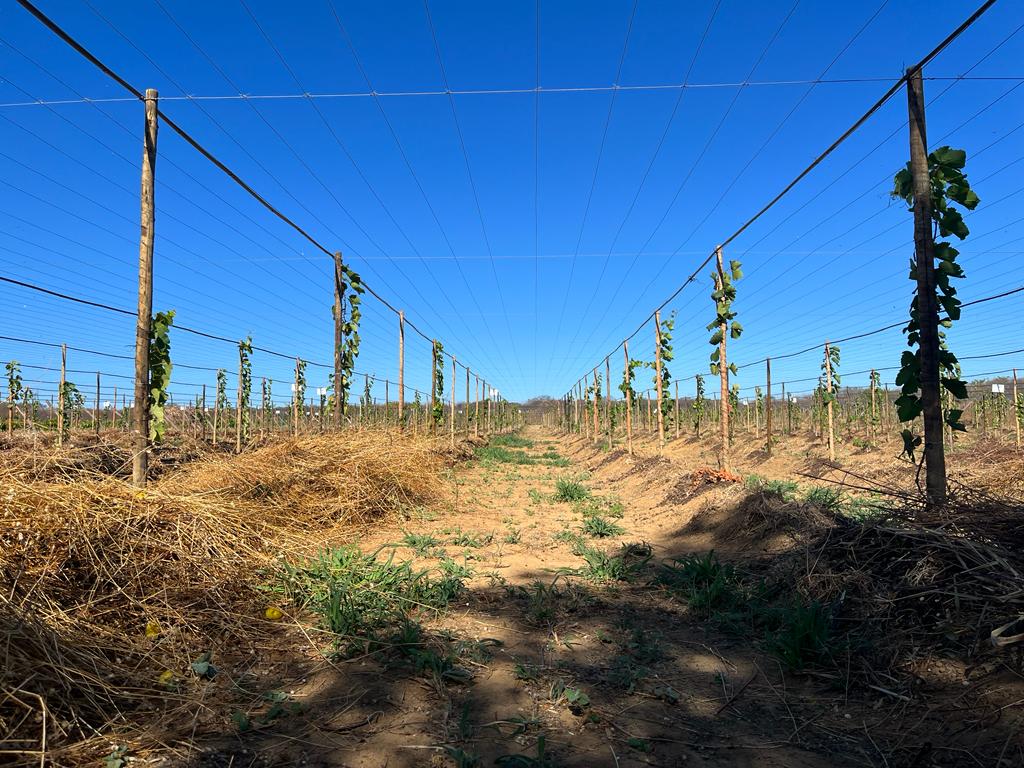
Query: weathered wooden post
x,y
61,416
238,405
657,379
608,401
339,297
144,321
433,385
629,400
927,303
768,408
297,403
828,408
1017,415
723,371
401,368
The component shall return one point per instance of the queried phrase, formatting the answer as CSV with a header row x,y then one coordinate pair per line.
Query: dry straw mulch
x,y
107,593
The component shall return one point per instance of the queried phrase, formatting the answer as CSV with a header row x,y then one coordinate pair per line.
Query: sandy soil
x,y
664,687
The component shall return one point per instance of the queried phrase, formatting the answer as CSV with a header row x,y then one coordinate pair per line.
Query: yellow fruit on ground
x,y
273,613
152,629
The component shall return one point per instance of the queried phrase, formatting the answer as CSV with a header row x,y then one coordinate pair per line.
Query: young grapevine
x,y
949,188
159,372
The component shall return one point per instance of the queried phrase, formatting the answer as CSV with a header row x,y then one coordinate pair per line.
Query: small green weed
x,y
542,760
358,595
600,527
803,634
825,498
422,543
602,566
784,489
456,571
511,440
568,490
704,582
496,454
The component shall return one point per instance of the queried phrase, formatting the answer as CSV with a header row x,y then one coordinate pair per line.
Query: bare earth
x,y
664,687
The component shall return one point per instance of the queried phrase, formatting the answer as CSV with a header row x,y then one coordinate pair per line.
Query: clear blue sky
x,y
531,287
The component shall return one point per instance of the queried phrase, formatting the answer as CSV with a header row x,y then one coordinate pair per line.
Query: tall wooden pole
x,y
467,419
263,406
490,399
723,371
629,400
608,401
597,405
657,377
238,405
831,398
789,410
677,409
927,303
401,367
61,416
296,402
874,410
1016,404
339,297
768,408
452,426
433,383
144,321
96,409
476,413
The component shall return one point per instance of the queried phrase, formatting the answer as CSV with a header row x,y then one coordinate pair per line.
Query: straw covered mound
x,y
107,594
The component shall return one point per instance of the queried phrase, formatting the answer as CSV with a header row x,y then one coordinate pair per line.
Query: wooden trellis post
x,y
263,406
789,410
339,296
597,426
433,384
238,406
657,378
828,409
467,401
452,426
629,400
490,400
144,320
723,371
476,408
768,408
677,409
1016,415
96,408
608,401
401,367
927,303
61,416
296,402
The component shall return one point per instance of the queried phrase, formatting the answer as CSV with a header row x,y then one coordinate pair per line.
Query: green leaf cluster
x,y
698,406
350,290
665,332
15,390
245,384
949,188
159,372
300,384
725,318
438,410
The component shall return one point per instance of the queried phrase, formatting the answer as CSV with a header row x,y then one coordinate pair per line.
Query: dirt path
x,y
560,653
